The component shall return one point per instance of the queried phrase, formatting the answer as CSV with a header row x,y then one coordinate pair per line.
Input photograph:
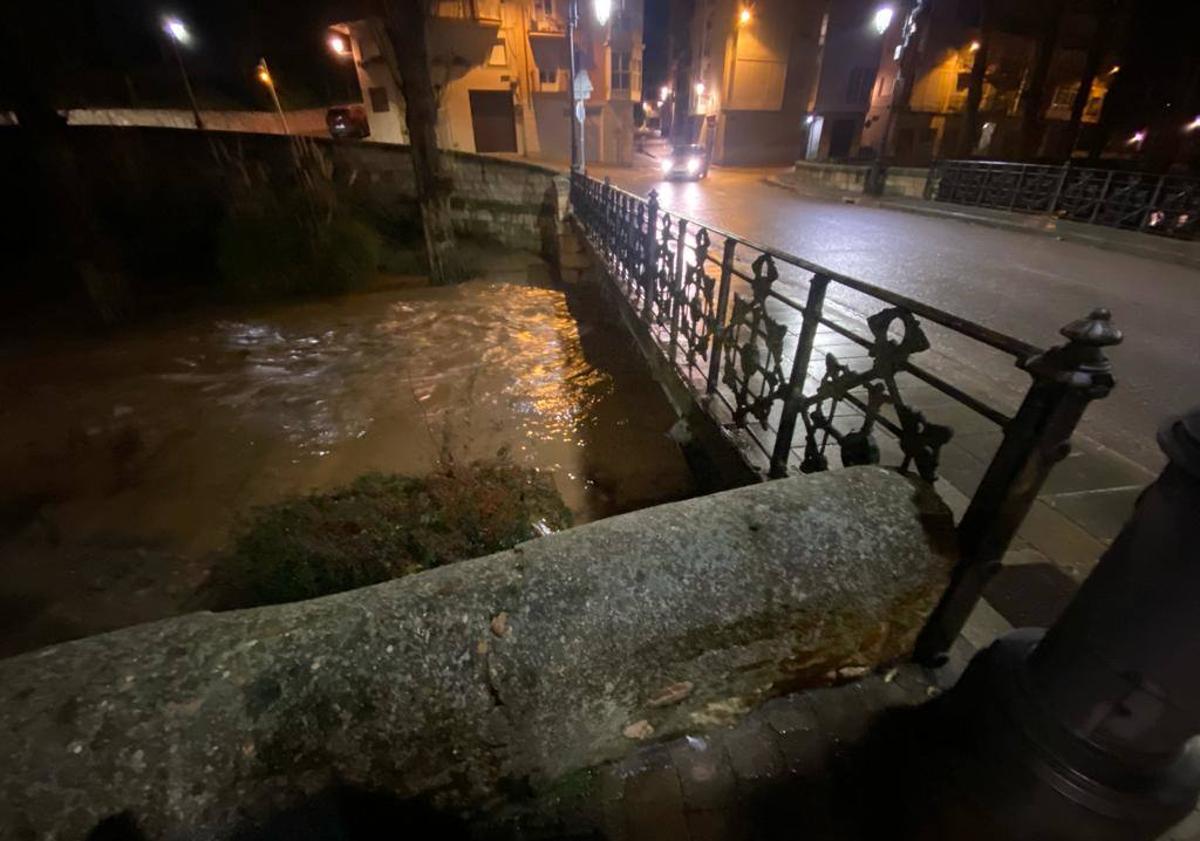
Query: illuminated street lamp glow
x,y
177,30
1138,138
974,46
664,92
602,8
808,121
338,44
1193,125
1116,68
744,16
699,89
883,18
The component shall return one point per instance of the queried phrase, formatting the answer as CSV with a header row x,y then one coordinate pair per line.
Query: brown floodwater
x,y
126,460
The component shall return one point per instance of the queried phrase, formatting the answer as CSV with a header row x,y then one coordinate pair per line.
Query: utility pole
x,y
576,140
177,31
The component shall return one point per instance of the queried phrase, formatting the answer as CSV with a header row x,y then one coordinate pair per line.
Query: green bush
x,y
269,251
381,527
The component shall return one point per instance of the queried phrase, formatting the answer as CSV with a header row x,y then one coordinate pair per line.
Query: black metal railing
x,y
745,341
1168,205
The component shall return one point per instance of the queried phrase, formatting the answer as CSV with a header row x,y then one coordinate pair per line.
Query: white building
x,y
500,70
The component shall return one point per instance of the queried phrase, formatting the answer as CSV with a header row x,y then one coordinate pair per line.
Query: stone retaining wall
x,y
901,180
469,682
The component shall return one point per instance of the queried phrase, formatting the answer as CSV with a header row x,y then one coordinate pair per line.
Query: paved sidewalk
x,y
1182,252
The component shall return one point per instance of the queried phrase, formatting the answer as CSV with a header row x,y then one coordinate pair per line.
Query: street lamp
x,y
602,9
1193,125
264,76
339,45
883,18
177,33
745,16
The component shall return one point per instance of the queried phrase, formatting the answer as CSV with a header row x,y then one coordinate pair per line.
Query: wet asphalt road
x,y
1026,285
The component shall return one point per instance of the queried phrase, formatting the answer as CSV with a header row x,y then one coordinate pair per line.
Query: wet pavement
x,y
1022,284
125,461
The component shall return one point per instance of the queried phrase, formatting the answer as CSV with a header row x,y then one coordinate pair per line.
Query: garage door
x,y
493,121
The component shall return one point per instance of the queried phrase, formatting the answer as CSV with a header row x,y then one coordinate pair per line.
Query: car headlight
x,y
693,166
667,164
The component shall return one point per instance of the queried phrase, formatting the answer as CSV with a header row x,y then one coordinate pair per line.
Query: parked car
x,y
348,121
688,162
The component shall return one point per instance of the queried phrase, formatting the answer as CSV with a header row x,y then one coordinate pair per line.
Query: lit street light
x,y
177,33
339,45
745,16
883,18
264,76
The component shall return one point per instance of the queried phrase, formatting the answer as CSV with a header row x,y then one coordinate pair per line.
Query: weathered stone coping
x,y
453,683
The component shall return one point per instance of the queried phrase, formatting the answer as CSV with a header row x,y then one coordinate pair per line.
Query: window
x,y
499,56
1064,96
858,86
964,81
620,71
544,8
379,99
548,77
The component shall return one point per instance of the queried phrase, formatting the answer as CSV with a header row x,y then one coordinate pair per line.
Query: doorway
x,y
493,121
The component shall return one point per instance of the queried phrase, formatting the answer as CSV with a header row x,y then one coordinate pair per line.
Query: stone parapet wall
x,y
901,180
471,681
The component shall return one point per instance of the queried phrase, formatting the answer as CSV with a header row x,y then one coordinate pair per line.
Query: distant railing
x,y
1168,205
710,302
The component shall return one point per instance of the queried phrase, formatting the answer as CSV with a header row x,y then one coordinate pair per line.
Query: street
x,y
1026,285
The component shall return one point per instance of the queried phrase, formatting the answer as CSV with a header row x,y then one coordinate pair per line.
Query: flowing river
x,y
126,460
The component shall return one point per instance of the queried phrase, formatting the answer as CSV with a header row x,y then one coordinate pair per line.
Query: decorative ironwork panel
x,y
920,441
695,302
753,349
1166,205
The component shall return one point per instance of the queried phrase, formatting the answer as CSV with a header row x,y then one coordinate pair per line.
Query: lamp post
x,y
178,33
264,76
578,110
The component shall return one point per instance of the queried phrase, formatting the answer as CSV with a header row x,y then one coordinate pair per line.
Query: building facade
x,y
500,70
754,71
947,41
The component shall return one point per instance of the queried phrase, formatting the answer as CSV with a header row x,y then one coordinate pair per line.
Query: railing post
x,y
606,203
1153,203
650,257
1058,188
1102,198
718,335
929,180
794,396
677,285
1017,188
1066,379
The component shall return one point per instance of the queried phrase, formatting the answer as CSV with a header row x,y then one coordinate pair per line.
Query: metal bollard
x,y
1090,731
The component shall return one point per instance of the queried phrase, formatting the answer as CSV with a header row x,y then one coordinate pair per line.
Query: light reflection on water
x,y
156,441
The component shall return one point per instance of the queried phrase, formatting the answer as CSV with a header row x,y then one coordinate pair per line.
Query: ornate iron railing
x,y
714,306
1168,205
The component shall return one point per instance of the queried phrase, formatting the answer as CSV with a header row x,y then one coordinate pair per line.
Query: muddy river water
x,y
126,460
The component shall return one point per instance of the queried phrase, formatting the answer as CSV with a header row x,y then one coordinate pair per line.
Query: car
x,y
688,161
347,121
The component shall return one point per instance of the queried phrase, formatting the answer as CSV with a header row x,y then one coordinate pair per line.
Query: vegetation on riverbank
x,y
384,526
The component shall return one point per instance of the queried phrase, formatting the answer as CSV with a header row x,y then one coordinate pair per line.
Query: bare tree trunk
x,y
1035,99
405,22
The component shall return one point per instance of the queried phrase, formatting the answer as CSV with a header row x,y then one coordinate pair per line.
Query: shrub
x,y
268,251
384,526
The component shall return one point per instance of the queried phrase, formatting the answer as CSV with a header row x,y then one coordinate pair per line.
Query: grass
x,y
384,526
